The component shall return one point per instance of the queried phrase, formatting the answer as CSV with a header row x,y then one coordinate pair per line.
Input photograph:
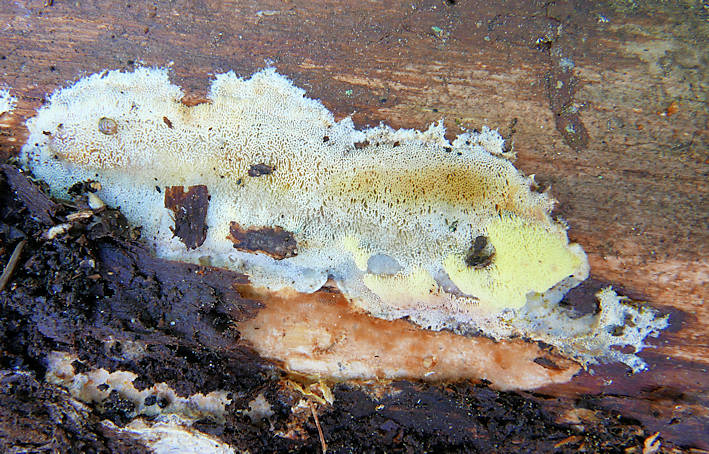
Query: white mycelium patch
x,y
95,386
7,102
407,223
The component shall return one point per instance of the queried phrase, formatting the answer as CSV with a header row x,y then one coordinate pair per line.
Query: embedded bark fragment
x,y
190,210
272,241
260,169
194,100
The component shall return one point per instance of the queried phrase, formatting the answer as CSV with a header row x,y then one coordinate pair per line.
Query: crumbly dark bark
x,y
273,241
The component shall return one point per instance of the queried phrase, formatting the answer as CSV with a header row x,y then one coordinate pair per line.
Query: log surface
x,y
605,103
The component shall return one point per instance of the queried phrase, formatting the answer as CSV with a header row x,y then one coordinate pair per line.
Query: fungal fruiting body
x,y
263,180
7,101
167,427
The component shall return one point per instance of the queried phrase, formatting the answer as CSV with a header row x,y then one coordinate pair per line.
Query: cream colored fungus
x,y
406,223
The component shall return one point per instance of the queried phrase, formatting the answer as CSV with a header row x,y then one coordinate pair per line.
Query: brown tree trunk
x,y
605,102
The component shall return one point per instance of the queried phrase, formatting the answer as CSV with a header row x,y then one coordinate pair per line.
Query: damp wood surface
x,y
605,103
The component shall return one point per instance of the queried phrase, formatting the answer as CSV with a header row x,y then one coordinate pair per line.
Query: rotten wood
x,y
41,208
273,241
190,209
608,105
257,170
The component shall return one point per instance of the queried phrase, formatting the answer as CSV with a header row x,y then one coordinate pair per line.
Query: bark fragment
x,y
190,210
258,170
273,241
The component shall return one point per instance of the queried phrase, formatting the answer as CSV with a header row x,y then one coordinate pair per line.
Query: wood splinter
x,y
11,264
317,424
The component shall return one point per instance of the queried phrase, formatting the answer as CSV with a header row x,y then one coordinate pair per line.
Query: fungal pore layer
x,y
407,224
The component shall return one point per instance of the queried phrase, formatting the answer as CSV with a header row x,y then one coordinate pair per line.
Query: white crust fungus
x,y
165,425
405,222
95,386
7,101
172,436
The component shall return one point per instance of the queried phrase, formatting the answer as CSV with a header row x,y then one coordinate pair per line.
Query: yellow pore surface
x,y
529,257
347,195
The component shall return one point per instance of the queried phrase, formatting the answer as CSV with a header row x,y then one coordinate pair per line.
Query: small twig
x,y
317,424
11,264
652,444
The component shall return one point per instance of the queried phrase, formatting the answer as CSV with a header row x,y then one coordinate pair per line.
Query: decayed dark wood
x,y
273,241
36,417
42,208
605,103
190,208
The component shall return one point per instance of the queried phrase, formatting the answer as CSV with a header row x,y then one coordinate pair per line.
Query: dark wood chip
x,y
273,241
190,210
258,170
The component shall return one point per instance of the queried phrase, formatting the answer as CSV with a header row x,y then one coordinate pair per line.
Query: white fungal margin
x,y
617,332
88,387
172,436
7,101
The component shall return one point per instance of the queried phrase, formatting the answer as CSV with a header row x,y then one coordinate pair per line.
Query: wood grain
x,y
629,83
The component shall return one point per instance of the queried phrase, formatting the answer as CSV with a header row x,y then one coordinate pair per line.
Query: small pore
x,y
107,126
480,253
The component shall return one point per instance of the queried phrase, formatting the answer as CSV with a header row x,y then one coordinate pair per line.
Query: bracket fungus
x,y
407,224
